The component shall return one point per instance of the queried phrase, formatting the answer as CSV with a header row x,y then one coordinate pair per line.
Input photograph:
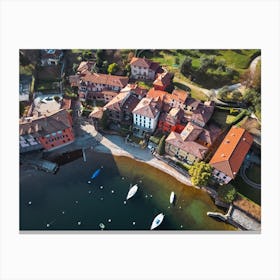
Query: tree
x,y
113,68
186,65
256,82
104,122
236,95
161,146
21,108
227,193
200,173
204,63
75,67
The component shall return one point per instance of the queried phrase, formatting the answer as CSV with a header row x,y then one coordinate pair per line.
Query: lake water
x,y
65,201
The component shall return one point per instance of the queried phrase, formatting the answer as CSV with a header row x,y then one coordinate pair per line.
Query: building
x,y
203,112
25,87
175,100
91,85
121,106
51,57
171,121
146,115
230,154
192,144
136,90
144,69
163,80
49,131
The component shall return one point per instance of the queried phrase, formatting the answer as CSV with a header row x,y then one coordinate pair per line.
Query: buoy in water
x,y
89,182
181,226
76,201
101,187
180,207
101,225
140,181
101,198
79,223
146,196
89,191
109,220
168,207
124,202
151,196
112,191
122,178
29,202
133,223
48,225
63,212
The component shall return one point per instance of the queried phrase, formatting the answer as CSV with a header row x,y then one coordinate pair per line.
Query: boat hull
x,y
157,221
132,192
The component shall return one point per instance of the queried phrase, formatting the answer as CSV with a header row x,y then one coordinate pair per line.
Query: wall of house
x,y
142,73
181,154
221,177
56,139
145,122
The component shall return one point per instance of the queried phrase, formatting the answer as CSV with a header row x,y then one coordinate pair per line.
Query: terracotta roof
x,y
178,95
209,134
130,104
192,102
116,103
203,113
136,89
147,107
143,62
47,124
85,66
163,79
97,113
190,147
74,80
140,62
174,116
232,151
112,80
153,93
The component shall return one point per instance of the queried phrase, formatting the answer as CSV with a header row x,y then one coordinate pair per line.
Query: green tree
x,y
21,108
200,173
227,193
104,122
113,68
161,146
236,95
186,65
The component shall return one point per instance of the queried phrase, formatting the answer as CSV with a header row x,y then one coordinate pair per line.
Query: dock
x,y
44,165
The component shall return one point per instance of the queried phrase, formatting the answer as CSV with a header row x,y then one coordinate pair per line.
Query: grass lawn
x,y
254,173
145,85
246,190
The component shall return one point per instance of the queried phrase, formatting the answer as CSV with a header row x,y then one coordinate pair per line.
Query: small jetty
x,y
237,218
44,165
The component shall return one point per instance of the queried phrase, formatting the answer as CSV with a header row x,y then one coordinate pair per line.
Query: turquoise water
x,y
66,201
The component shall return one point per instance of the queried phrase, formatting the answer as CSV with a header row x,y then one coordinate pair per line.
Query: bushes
x,y
234,120
161,146
227,193
183,165
154,140
200,173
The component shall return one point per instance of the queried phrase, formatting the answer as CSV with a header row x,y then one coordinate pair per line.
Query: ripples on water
x,y
67,201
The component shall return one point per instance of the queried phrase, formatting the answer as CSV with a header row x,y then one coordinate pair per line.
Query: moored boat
x,y
157,221
132,192
95,174
172,197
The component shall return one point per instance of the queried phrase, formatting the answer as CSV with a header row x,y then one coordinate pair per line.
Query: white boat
x,y
132,192
157,220
172,197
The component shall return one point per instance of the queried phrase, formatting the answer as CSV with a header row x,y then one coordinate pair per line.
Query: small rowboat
x,y
95,174
157,221
132,192
172,197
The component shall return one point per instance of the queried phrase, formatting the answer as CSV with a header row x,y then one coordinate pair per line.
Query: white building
x,y
145,116
144,69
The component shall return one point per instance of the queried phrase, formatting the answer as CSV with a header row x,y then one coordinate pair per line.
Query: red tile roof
x,y
153,93
116,103
190,147
111,80
232,151
46,124
163,79
147,107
